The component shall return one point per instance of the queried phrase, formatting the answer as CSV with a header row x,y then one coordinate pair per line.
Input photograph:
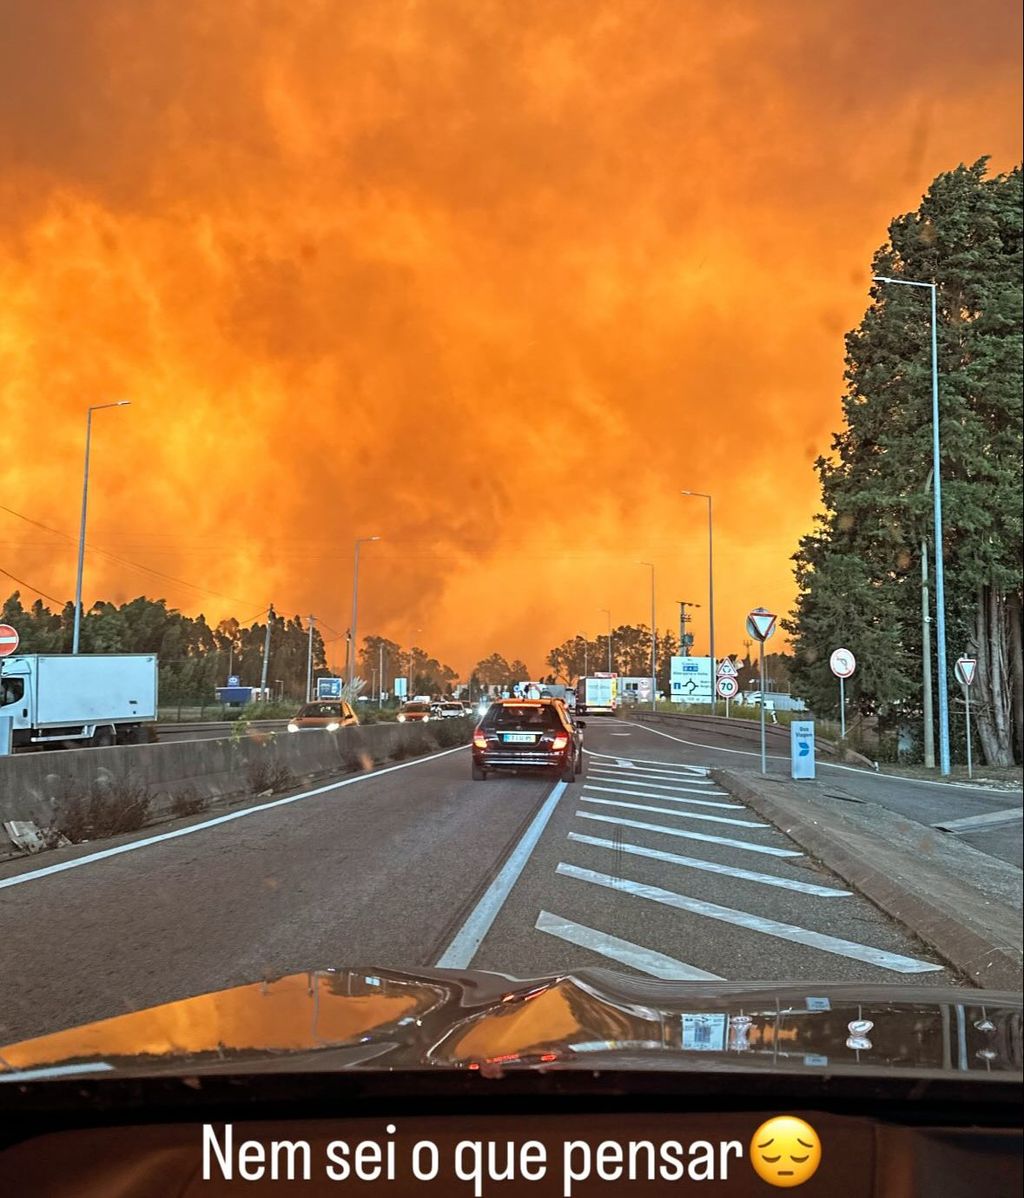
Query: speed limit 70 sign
x,y
727,687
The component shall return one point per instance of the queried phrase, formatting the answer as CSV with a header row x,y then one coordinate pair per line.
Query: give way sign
x,y
761,623
965,669
9,640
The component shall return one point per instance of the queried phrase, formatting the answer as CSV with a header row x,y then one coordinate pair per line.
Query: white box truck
x,y
597,695
59,700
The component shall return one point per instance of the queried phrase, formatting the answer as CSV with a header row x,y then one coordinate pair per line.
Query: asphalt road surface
x,y
642,864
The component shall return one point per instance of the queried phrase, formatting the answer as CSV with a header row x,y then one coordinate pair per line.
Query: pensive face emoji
x,y
785,1151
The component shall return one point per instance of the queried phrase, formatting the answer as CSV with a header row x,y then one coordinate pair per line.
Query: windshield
x,y
522,490
321,710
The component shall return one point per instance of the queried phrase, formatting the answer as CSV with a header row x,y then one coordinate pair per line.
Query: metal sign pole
x,y
764,755
967,701
842,708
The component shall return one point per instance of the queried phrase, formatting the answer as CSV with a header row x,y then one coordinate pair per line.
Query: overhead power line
x,y
124,561
35,590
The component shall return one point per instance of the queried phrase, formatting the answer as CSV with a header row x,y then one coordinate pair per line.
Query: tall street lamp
x,y
654,641
355,610
121,403
711,595
940,583
586,654
605,612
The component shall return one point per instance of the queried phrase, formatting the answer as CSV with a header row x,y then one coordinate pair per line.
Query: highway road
x,y
642,864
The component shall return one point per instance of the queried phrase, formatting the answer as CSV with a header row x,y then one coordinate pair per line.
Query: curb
x,y
977,934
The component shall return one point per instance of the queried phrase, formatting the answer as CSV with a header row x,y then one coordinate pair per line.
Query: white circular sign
x,y
842,663
727,686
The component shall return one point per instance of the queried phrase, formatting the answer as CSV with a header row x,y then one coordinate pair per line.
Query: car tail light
x,y
479,740
561,741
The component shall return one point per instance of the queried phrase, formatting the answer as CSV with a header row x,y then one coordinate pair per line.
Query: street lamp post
x,y
355,611
586,654
711,596
654,641
606,612
940,584
309,662
121,403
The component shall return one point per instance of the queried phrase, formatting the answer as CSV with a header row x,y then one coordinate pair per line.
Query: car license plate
x,y
519,738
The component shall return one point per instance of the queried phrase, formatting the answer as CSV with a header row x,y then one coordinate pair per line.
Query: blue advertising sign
x,y
801,748
328,688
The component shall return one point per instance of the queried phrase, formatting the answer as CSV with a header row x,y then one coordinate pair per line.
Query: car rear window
x,y
515,715
416,707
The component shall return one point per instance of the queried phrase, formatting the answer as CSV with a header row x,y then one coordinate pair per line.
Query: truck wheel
x,y
479,775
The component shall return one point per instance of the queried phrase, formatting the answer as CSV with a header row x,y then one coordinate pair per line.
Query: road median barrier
x,y
963,904
76,794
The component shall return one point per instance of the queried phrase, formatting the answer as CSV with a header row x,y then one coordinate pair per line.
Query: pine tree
x,y
858,573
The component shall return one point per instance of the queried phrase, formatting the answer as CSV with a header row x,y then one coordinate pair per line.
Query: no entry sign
x,y
9,640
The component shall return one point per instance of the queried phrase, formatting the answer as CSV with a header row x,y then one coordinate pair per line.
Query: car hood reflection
x,y
435,1018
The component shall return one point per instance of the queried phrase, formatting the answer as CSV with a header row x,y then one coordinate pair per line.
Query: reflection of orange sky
x,y
271,1016
492,281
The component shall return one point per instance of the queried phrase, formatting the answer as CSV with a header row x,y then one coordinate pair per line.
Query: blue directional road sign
x,y
328,688
233,680
801,748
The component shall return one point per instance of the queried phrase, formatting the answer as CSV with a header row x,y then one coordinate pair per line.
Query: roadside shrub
x,y
104,807
188,801
264,775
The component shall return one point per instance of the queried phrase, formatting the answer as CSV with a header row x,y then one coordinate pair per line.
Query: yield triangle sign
x,y
965,669
726,669
761,623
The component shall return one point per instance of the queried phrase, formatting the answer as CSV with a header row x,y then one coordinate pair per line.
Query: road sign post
x,y
801,749
760,626
965,669
727,672
842,663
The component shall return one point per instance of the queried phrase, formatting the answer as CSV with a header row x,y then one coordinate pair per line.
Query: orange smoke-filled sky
x,y
491,279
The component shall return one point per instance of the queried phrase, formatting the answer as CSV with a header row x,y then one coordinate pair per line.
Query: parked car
x,y
528,734
329,715
415,712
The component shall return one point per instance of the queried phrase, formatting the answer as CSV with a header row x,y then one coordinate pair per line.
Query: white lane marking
x,y
640,794
712,867
828,765
791,933
672,787
646,960
709,819
117,850
683,834
463,947
982,823
644,775
623,762
620,734
678,765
